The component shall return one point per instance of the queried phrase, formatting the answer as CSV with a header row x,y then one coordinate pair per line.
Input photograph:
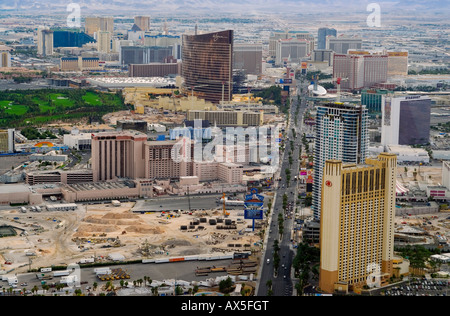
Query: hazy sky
x,y
223,6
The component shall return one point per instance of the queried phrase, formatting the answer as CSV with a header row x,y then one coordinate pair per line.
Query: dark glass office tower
x,y
406,121
63,38
208,65
323,33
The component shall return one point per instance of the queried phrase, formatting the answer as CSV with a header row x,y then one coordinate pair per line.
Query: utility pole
x,y
189,199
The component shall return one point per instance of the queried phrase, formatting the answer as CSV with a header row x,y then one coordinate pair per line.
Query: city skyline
x,y
206,148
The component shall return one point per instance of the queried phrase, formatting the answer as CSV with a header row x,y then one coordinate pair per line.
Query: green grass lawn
x,y
5,102
12,108
57,99
92,98
60,99
40,107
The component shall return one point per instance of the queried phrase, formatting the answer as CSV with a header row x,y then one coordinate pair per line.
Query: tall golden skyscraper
x,y
357,222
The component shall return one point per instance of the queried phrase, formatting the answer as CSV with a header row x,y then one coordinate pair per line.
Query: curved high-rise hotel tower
x,y
208,65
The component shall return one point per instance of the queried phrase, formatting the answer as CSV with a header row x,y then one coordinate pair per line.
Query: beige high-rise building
x,y
79,64
44,41
398,63
357,223
104,42
360,69
7,142
227,172
161,163
118,155
5,59
143,22
5,56
97,24
228,118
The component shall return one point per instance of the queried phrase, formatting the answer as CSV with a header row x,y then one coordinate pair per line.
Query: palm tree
x,y
145,281
299,287
178,290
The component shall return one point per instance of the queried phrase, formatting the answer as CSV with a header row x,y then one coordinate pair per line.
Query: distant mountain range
x,y
101,7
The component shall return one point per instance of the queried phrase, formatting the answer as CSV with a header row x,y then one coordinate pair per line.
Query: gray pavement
x,y
184,271
282,283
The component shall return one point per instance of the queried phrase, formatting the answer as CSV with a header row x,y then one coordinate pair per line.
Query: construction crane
x,y
225,213
338,82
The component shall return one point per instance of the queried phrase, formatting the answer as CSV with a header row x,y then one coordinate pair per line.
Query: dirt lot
x,y
425,174
99,230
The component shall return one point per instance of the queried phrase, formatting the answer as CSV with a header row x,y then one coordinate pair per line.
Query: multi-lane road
x,y
281,280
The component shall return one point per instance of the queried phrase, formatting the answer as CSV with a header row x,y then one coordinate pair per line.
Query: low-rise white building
x,y
78,141
159,128
408,154
444,258
438,192
51,156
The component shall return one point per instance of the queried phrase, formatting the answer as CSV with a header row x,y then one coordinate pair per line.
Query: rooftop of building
x,y
14,188
232,165
58,171
406,229
343,106
437,187
404,149
100,186
162,143
130,81
126,133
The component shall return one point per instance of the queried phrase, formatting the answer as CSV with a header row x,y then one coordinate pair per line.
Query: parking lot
x,y
184,271
420,287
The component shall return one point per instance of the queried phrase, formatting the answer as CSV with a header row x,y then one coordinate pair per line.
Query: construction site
x,y
420,220
105,233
